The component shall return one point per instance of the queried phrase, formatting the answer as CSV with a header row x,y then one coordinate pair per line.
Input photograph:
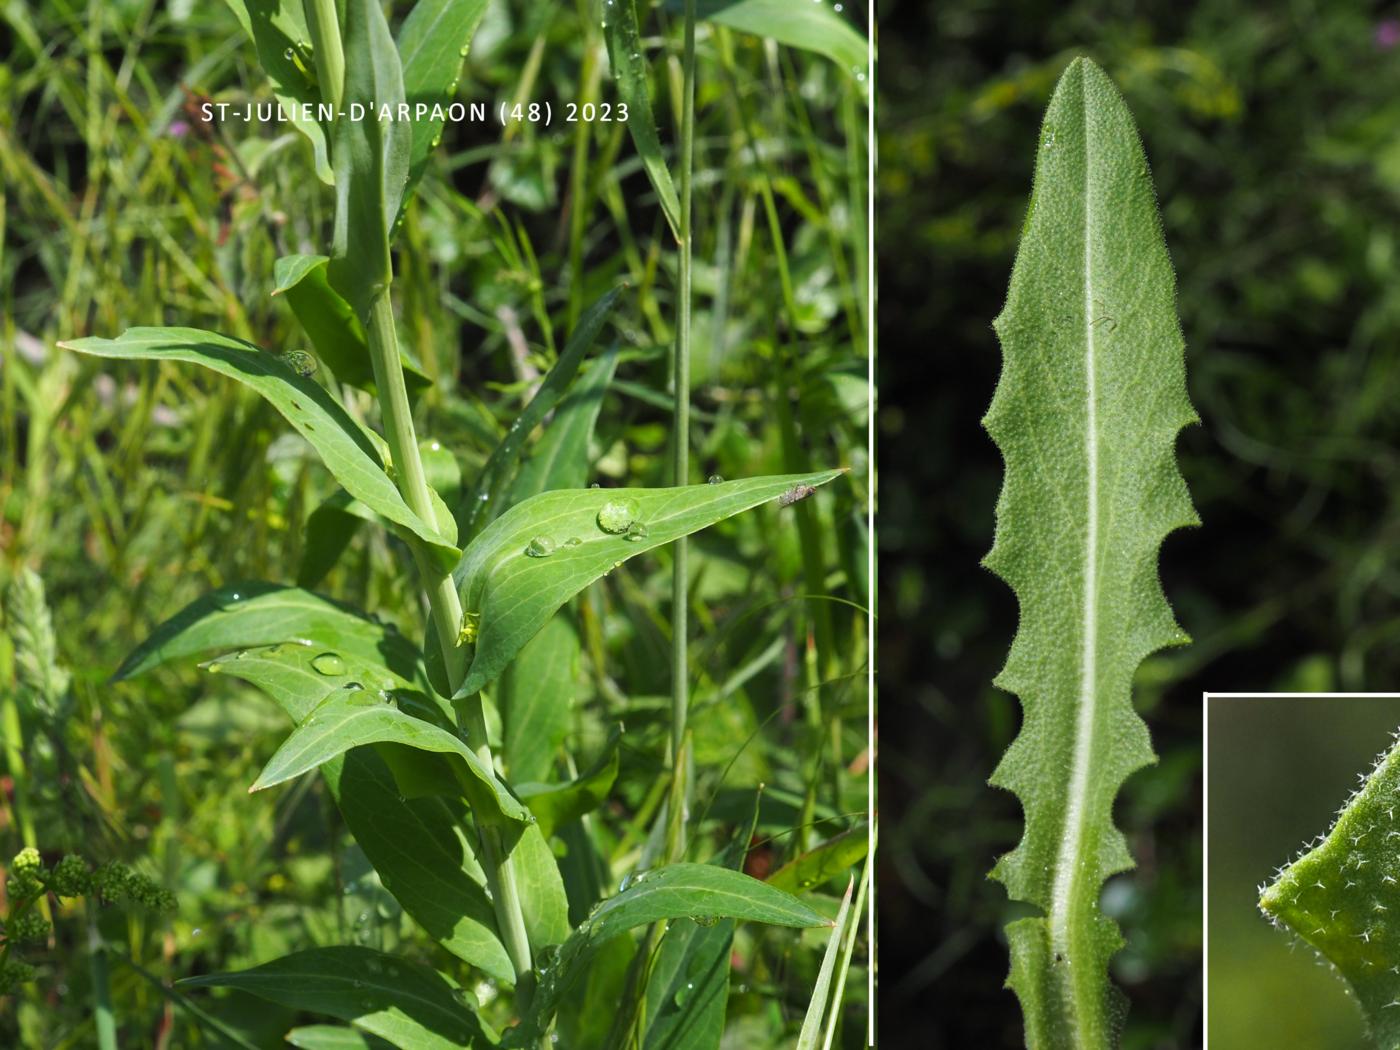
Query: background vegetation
x,y
1274,137
134,489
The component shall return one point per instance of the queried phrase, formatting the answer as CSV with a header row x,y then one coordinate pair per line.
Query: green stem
x,y
446,610
324,25
102,1015
680,598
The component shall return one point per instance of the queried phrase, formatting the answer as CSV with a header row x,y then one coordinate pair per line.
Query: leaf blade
x,y
1093,382
514,594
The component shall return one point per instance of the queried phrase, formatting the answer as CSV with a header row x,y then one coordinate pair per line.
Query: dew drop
x,y
714,479
328,663
617,515
300,362
540,547
289,54
636,532
572,541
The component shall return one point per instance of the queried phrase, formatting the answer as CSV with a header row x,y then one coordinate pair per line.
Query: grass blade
x,y
821,993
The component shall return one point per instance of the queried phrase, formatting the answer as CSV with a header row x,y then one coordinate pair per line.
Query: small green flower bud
x,y
23,886
112,882
29,928
70,877
27,862
14,972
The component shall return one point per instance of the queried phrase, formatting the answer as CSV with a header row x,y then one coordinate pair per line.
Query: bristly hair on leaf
x,y
1091,397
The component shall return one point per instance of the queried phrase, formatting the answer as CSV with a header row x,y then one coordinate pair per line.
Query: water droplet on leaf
x,y
540,547
328,663
617,515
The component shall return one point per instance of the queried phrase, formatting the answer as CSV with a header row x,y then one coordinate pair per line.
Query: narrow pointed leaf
x,y
514,595
559,459
334,330
278,31
346,450
1091,397
402,1002
811,27
256,614
824,862
555,805
371,159
334,1037
821,994
299,677
1340,897
355,717
491,486
629,69
675,891
423,857
433,42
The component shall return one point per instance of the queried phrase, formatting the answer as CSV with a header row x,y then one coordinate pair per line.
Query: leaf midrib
x,y
1066,888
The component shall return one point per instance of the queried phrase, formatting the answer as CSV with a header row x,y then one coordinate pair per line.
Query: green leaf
x,y
333,1037
347,451
821,993
256,614
299,677
514,595
672,892
1339,896
557,805
1091,397
496,474
371,159
542,898
334,330
433,42
355,717
423,858
825,862
406,1004
809,26
629,68
330,528
559,459
535,697
278,31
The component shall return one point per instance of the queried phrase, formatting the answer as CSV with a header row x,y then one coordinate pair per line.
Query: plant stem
x,y
446,611
680,597
324,26
103,1017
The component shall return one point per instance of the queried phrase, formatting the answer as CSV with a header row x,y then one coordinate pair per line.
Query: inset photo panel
x,y
1302,871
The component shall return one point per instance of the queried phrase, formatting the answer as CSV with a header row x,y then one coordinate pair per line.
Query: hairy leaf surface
x,y
348,452
403,1002
1091,397
512,594
1340,896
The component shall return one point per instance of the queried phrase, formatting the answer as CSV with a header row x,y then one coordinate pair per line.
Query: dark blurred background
x,y
1274,136
1279,769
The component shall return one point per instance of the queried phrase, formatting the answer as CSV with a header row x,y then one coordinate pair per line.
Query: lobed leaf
x,y
512,595
409,1005
344,447
1091,397
1339,895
